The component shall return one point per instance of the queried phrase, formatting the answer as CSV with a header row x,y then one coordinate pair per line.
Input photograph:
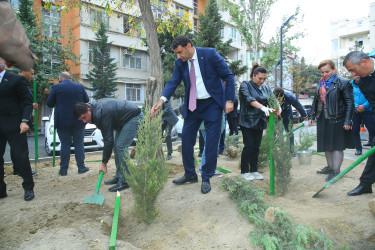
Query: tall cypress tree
x,y
103,75
209,35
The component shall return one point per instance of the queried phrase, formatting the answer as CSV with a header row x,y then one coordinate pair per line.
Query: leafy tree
x,y
103,75
249,17
52,54
170,26
209,35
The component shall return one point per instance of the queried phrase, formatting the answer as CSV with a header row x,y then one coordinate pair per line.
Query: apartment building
x,y
348,35
129,52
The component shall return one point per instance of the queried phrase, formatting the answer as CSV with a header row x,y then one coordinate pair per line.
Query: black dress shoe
x,y
83,170
118,187
3,195
358,152
63,172
367,144
332,175
169,157
325,170
29,195
360,190
184,179
206,187
112,181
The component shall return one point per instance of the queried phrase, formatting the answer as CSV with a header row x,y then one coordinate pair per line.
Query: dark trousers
x,y
233,126
210,112
250,153
18,144
368,118
201,142
287,122
222,137
66,133
167,127
368,175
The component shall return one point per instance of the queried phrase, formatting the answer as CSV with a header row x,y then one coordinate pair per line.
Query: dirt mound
x,y
58,219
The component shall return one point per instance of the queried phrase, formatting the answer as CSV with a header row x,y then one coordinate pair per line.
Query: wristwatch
x,y
25,120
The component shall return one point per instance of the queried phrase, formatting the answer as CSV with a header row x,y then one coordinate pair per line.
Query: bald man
x,y
63,96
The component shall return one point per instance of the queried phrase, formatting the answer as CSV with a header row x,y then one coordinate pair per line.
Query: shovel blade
x,y
96,199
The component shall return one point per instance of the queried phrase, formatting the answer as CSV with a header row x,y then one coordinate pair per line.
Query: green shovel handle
x,y
99,182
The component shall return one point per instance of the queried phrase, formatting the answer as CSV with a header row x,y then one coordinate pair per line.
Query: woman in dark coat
x,y
333,107
253,96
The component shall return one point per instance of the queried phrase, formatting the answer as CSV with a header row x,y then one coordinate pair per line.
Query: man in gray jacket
x,y
118,121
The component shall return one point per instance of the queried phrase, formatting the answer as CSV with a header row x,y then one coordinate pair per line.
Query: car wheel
x,y
47,148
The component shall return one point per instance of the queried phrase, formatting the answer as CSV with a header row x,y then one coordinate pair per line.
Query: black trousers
x,y
233,127
201,142
368,175
250,153
167,127
20,150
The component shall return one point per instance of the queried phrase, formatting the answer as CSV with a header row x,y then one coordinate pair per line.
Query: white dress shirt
x,y
2,75
201,89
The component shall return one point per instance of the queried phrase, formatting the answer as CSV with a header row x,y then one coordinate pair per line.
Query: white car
x,y
93,136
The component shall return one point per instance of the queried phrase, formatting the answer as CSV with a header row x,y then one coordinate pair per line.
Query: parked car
x,y
93,136
296,116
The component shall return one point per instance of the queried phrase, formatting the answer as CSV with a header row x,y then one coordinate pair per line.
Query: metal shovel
x,y
96,199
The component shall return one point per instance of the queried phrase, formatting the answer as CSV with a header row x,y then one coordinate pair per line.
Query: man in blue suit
x,y
63,96
203,71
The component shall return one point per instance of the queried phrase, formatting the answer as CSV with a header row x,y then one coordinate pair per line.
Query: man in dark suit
x,y
203,71
169,119
362,65
63,96
16,105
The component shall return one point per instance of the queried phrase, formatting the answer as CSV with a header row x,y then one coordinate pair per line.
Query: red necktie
x,y
193,88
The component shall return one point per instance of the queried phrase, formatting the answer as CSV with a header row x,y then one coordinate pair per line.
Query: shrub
x,y
148,171
279,233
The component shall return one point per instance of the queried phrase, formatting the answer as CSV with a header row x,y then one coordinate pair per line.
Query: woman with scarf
x,y
333,107
253,96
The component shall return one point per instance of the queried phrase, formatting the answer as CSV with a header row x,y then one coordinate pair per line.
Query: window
x,y
195,24
92,46
179,11
335,45
97,17
133,92
158,9
360,41
51,25
234,34
222,34
131,60
127,26
195,7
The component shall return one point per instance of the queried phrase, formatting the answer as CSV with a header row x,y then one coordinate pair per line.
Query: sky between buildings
x,y
316,45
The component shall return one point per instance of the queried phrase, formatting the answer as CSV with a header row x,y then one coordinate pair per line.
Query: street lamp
x,y
276,73
281,49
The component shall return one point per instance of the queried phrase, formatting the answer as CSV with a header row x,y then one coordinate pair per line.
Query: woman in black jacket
x,y
333,107
253,97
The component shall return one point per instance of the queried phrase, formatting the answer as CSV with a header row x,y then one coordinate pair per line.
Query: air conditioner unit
x,y
128,52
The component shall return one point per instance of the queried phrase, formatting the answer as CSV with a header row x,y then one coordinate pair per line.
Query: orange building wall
x,y
69,20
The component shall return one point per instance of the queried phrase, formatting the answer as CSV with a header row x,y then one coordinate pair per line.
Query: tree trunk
x,y
154,87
